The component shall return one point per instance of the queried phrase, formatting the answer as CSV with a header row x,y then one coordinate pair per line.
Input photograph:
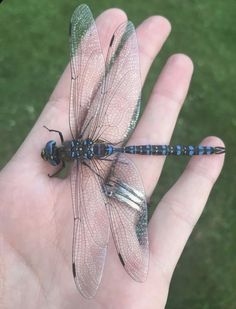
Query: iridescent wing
x,y
104,106
87,66
111,117
115,107
127,209
91,229
91,226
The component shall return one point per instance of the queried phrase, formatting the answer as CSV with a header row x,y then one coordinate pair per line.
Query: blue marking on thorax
x,y
87,142
109,150
72,149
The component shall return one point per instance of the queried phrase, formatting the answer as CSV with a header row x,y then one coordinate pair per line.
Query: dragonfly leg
x,y
59,170
59,132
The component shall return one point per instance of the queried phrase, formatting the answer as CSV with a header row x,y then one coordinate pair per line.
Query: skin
x,y
36,218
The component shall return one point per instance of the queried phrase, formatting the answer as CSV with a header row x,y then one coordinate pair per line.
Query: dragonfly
x,y
107,191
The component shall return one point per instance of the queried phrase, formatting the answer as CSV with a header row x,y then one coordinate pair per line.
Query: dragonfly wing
x,y
87,66
91,229
115,107
128,218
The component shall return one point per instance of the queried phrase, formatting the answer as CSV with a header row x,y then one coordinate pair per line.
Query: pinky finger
x,y
180,208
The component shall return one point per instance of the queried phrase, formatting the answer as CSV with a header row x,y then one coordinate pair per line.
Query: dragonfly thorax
x,y
87,149
82,149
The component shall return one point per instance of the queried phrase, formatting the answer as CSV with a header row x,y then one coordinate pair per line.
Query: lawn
x,y
33,54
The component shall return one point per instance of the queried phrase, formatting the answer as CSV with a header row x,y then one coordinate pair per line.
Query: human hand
x,y
36,217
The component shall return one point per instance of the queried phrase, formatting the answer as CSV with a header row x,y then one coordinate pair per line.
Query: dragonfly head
x,y
50,153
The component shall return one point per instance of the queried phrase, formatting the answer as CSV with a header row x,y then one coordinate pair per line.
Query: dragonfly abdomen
x,y
166,150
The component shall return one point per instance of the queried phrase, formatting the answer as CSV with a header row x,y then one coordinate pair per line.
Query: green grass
x,y
33,54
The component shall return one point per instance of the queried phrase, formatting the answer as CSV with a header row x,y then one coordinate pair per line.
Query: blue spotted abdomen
x,y
166,150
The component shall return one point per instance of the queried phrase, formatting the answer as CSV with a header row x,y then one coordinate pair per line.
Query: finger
x,y
151,36
159,118
180,208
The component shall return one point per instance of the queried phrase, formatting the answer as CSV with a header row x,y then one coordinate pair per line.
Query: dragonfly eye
x,y
49,153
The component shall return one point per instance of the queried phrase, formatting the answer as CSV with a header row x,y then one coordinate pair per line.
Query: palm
x,y
36,218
